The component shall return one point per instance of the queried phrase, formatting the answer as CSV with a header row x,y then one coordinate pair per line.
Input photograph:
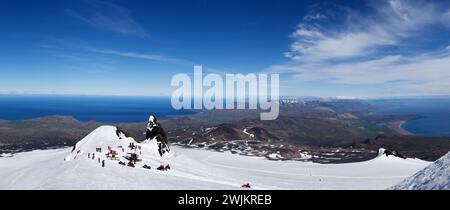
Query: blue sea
x,y
434,114
85,108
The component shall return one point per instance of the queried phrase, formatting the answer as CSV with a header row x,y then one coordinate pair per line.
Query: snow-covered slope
x,y
434,177
107,136
71,168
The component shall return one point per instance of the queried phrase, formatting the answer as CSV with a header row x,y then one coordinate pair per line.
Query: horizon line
x,y
168,96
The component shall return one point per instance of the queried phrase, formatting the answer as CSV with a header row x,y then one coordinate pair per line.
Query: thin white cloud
x,y
111,17
446,18
143,56
357,35
84,52
424,74
355,50
312,45
315,16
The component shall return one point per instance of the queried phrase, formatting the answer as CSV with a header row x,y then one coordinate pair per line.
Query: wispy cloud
x,y
91,69
109,16
349,33
48,46
86,52
152,57
377,48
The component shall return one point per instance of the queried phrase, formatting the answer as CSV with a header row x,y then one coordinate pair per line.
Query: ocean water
x,y
434,114
85,108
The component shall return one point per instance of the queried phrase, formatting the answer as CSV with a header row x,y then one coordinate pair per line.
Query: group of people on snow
x,y
92,157
154,131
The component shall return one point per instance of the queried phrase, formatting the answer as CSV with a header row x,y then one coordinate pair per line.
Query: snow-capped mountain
x,y
93,163
434,177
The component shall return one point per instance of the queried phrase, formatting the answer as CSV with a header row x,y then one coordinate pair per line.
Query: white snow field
x,y
434,177
190,169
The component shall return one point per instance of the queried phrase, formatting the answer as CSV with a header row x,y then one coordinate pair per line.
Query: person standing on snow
x,y
155,131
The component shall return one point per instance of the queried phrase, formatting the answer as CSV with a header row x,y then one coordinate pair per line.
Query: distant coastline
x,y
397,126
100,109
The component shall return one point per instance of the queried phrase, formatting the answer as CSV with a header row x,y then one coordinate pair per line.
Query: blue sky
x,y
320,48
